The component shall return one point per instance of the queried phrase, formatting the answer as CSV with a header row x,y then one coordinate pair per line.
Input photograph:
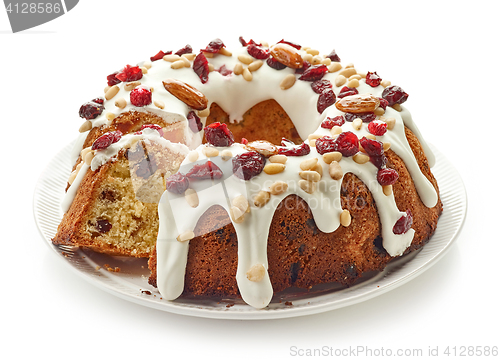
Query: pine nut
x,y
386,145
387,189
192,197
379,111
112,91
159,104
144,70
274,168
241,203
85,151
385,83
193,156
110,116
353,83
225,52
287,82
332,156
319,169
247,75
397,107
256,273
131,85
261,198
278,159
308,186
360,158
278,187
238,69
334,67
209,151
310,175
335,171
226,155
190,57
345,218
309,164
340,80
312,51
245,59
171,57
72,177
88,157
148,64
121,103
187,63
236,214
357,124
390,123
204,113
177,64
254,66
326,61
348,72
335,130
185,236
86,126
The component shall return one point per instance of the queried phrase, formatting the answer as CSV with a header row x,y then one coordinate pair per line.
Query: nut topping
x,y
189,95
263,147
358,103
287,55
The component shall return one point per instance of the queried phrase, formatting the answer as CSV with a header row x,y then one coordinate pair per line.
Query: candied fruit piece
x,y
224,71
275,64
377,127
365,117
290,149
325,99
140,96
373,79
90,110
372,147
160,55
203,171
185,50
383,103
321,85
218,134
329,123
194,122
394,95
258,52
200,67
403,224
107,139
387,176
313,73
129,73
248,165
346,143
214,46
333,56
103,226
347,91
177,183
112,79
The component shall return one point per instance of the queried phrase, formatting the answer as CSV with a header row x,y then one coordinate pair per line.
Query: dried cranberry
x,y
160,55
333,56
244,141
377,127
305,65
154,127
99,100
275,64
296,46
214,46
347,91
112,80
200,67
185,50
314,73
248,165
103,226
90,110
365,117
194,122
245,43
140,96
107,139
130,73
346,143
372,147
325,99
403,224
207,170
321,85
177,183
394,95
329,123
378,161
218,134
291,149
383,103
224,71
387,176
373,79
258,52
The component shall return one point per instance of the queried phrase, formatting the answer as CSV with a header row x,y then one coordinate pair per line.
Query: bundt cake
x,y
242,174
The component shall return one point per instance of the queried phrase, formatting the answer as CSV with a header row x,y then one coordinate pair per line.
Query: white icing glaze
x,y
235,96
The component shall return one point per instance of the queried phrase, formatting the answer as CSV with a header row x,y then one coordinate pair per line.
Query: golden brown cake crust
x,y
299,254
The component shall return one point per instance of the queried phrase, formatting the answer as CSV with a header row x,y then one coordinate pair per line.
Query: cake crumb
x,y
147,292
109,268
288,303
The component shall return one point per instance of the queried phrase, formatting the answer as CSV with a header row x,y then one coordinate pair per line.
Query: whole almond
x,y
287,55
263,147
358,103
189,95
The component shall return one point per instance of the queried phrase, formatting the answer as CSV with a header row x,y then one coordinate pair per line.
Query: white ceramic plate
x,y
131,282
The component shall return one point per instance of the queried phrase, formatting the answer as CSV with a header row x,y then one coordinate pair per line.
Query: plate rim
x,y
179,306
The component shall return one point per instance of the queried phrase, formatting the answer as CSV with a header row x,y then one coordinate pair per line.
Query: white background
x,y
443,53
